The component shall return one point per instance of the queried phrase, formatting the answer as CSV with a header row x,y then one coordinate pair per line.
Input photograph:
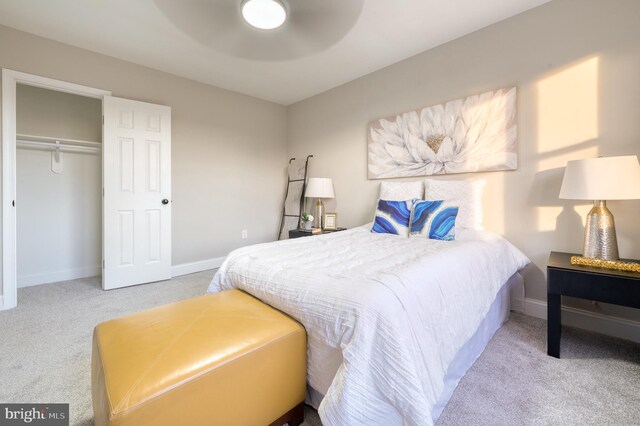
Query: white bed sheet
x,y
498,314
385,316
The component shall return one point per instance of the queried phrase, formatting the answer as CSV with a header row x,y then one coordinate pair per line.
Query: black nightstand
x,y
297,233
584,282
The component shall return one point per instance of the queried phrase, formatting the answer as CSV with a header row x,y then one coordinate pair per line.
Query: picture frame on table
x,y
330,221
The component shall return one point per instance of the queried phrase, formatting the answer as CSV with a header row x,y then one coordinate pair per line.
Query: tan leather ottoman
x,y
220,359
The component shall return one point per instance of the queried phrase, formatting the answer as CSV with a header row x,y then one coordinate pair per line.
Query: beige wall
x,y
43,112
228,150
577,67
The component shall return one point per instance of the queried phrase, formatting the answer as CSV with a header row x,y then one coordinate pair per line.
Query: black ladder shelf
x,y
294,197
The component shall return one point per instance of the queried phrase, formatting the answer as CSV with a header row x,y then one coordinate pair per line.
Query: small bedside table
x,y
297,233
584,282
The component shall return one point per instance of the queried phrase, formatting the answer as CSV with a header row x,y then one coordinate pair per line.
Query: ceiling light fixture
x,y
264,14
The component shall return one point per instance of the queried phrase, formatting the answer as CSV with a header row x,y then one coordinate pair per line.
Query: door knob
x,y
165,201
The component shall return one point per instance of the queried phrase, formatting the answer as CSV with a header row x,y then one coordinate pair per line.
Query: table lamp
x,y
601,179
319,188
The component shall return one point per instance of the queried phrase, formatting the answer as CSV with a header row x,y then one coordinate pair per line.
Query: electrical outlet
x,y
245,234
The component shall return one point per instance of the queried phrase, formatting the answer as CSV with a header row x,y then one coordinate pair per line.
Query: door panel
x,y
125,163
136,178
153,235
126,239
153,166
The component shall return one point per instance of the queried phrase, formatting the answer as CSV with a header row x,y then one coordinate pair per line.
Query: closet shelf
x,y
49,143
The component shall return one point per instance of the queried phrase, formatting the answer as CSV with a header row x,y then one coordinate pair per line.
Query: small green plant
x,y
306,217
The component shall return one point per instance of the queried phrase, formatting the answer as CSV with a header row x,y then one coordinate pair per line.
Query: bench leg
x,y
293,417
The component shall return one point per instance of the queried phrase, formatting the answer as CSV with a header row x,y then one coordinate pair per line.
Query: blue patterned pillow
x,y
434,219
392,217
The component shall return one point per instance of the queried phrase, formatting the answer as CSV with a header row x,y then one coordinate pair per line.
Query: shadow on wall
x,y
555,216
568,127
564,127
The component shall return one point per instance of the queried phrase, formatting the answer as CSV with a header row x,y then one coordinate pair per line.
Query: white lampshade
x,y
264,14
604,178
320,188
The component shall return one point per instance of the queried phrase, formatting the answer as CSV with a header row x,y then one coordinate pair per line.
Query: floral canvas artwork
x,y
473,134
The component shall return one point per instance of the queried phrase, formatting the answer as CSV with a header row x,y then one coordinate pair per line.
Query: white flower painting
x,y
474,134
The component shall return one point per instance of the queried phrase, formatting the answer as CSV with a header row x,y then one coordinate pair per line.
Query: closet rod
x,y
50,140
52,146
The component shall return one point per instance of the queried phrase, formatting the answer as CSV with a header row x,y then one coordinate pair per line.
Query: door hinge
x,y
13,203
102,263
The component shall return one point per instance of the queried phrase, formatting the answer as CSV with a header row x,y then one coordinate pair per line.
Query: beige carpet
x,y
46,349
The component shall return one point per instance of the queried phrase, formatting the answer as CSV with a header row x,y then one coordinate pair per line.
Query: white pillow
x,y
467,194
401,191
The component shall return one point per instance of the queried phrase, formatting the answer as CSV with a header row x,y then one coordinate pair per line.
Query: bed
x,y
393,323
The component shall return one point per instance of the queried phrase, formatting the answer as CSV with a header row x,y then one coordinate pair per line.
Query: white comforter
x,y
384,315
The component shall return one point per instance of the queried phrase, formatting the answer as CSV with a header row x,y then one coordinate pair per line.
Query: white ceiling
x,y
324,44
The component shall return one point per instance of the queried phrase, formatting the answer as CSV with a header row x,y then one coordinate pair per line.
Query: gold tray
x,y
618,265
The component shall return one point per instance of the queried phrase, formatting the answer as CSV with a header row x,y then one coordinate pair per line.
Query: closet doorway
x,y
58,186
86,186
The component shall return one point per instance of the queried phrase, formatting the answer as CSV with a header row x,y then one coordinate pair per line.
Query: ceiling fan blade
x,y
311,27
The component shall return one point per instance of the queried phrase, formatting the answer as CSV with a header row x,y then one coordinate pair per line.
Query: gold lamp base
x,y
317,221
600,233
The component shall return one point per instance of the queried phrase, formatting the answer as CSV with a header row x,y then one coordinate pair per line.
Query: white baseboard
x,y
53,277
72,274
192,267
535,308
593,321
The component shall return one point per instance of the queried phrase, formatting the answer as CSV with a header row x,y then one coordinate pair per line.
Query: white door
x,y
137,193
